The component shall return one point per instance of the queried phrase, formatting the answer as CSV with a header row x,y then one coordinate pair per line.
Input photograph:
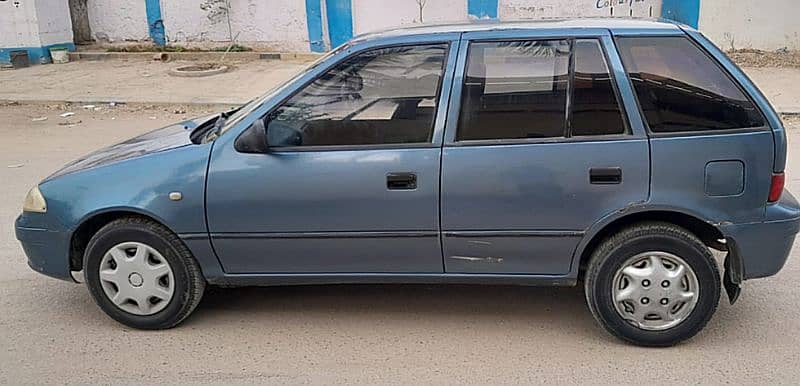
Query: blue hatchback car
x,y
617,153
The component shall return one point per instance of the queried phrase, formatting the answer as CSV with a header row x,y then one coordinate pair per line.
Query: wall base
x,y
35,54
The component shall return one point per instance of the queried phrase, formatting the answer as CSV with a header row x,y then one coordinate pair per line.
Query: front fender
x,y
141,185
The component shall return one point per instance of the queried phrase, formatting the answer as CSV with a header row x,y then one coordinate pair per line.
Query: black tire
x,y
645,237
189,283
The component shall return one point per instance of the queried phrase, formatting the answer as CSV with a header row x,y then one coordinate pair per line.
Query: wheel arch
x,y
91,223
705,230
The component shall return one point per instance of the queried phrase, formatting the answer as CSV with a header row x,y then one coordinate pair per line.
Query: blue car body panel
x,y
525,210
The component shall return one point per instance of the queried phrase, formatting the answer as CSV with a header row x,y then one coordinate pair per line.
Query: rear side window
x,y
595,110
515,89
681,88
525,89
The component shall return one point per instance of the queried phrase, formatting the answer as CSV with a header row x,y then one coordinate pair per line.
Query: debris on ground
x,y
67,114
791,120
15,166
70,123
39,119
88,107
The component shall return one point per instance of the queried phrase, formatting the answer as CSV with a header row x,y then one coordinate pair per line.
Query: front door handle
x,y
605,176
401,181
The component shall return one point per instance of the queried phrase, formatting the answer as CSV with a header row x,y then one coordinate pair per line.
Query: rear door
x,y
538,149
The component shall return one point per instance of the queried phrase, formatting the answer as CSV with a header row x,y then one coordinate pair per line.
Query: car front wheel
x,y
652,284
142,275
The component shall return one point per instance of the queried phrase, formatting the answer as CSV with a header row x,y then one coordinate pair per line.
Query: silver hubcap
x,y
136,278
655,290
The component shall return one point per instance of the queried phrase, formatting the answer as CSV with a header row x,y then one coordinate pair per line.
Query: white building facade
x,y
318,25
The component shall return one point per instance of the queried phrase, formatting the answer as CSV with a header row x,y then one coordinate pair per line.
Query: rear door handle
x,y
605,176
401,181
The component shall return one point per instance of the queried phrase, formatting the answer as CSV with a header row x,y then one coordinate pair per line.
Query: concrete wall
x,y
278,24
55,25
118,20
18,24
526,9
751,24
283,24
373,15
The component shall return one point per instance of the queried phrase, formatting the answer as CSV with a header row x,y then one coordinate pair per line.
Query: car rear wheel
x,y
142,275
653,284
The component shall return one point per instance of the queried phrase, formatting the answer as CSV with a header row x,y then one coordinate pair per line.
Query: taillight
x,y
776,188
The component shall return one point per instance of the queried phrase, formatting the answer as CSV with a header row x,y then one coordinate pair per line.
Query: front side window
x,y
526,90
681,88
381,96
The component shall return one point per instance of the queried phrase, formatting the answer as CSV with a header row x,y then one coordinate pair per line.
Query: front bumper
x,y
47,250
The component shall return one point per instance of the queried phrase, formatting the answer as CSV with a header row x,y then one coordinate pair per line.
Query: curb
x,y
200,56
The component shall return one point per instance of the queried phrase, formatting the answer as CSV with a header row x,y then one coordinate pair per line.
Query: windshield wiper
x,y
211,129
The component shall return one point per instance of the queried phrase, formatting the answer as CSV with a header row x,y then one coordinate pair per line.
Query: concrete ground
x,y
147,81
144,81
52,332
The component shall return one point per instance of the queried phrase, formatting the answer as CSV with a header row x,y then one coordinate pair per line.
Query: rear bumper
x,y
764,247
47,251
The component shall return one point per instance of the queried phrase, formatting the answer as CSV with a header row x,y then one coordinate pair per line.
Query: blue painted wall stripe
x,y
155,24
340,21
314,23
684,11
482,9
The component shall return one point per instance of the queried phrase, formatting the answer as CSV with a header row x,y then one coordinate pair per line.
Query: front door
x,y
351,181
538,149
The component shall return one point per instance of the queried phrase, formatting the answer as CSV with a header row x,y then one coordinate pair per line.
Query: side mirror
x,y
254,139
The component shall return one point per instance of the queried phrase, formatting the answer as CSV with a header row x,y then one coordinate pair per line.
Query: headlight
x,y
34,201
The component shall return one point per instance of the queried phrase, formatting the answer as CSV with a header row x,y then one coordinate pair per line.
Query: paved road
x,y
51,331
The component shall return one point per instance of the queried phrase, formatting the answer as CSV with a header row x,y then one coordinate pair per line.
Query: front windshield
x,y
254,104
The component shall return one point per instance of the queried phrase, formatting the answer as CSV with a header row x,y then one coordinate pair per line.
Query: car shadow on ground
x,y
561,308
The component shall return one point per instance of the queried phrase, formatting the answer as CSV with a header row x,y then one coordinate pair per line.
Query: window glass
x,y
681,88
595,109
515,90
382,96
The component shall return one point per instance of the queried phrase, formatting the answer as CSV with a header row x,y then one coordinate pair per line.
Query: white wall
x,y
18,25
751,24
118,20
373,15
55,25
279,24
34,23
528,9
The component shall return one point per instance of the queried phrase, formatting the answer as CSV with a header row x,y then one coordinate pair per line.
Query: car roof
x,y
611,23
